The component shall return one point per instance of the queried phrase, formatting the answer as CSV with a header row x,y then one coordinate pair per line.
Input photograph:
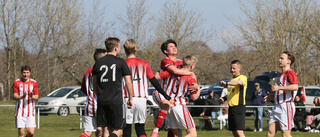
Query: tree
x,y
13,18
275,26
134,23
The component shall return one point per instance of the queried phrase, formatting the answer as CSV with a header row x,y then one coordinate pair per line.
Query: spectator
x,y
224,115
257,100
301,113
314,112
215,111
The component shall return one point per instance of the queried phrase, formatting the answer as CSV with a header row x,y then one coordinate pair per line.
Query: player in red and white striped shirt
x,y
284,92
89,122
140,74
178,116
25,92
172,65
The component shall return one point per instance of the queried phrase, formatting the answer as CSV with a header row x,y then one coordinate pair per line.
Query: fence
x,y
154,107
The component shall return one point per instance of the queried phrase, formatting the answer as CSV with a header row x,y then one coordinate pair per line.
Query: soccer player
x,y
25,92
178,115
172,65
140,74
89,122
108,73
283,93
237,87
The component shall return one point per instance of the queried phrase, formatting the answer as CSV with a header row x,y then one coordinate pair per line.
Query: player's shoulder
x,y
89,70
166,59
242,76
291,71
32,80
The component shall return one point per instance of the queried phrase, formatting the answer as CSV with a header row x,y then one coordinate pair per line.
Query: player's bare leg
x,y
20,132
286,133
238,133
177,132
192,132
30,132
273,128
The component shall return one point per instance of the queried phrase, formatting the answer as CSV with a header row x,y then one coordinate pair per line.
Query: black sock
x,y
140,129
113,135
127,130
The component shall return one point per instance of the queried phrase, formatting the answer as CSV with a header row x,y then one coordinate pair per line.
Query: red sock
x,y
143,136
83,135
161,116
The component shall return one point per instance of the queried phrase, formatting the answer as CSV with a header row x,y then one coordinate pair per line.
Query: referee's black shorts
x,y
236,117
111,115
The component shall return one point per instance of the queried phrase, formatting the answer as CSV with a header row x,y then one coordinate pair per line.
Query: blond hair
x,y
189,60
130,46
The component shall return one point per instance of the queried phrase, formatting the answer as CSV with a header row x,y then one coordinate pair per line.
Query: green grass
x,y
54,125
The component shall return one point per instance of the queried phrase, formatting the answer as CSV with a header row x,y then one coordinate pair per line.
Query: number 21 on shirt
x,y
106,70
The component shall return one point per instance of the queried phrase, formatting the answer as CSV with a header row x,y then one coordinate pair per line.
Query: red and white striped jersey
x,y
179,89
25,107
167,82
287,78
140,74
87,88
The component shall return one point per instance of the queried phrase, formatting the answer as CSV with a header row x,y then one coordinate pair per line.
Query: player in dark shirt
x,y
108,74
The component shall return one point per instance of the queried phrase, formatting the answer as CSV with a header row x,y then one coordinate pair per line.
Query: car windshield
x,y
312,92
216,86
61,92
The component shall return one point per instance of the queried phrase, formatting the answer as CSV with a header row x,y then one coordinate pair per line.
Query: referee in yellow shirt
x,y
236,99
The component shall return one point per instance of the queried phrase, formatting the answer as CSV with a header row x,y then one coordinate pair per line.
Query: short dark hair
x,y
290,56
236,62
111,43
164,45
26,67
98,52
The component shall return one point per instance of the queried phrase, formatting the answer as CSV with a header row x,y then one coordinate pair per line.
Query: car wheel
x,y
267,110
63,111
149,109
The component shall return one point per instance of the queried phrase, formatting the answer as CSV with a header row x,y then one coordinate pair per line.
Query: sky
x,y
213,11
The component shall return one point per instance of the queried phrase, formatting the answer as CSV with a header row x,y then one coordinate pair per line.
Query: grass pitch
x,y
54,125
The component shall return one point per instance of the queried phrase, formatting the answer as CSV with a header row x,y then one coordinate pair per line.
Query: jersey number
x,y
106,69
135,76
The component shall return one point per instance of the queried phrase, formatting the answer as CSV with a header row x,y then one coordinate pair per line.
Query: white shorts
x,y
138,112
284,114
89,124
25,122
179,118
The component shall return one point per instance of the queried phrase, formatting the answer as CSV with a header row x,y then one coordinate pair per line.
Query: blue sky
x,y
213,11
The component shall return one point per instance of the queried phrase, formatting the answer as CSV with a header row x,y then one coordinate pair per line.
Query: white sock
x,y
156,130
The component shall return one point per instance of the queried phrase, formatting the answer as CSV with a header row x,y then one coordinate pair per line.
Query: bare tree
x,y
13,18
134,24
275,26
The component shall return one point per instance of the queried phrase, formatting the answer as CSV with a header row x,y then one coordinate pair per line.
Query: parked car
x,y
195,111
59,100
309,92
82,103
217,89
150,101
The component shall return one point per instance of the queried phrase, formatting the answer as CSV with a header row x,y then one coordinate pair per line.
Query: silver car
x,y
62,101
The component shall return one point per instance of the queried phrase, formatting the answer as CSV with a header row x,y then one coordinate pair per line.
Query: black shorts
x,y
111,115
236,117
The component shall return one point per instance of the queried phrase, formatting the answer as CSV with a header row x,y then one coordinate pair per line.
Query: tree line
x,y
57,38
